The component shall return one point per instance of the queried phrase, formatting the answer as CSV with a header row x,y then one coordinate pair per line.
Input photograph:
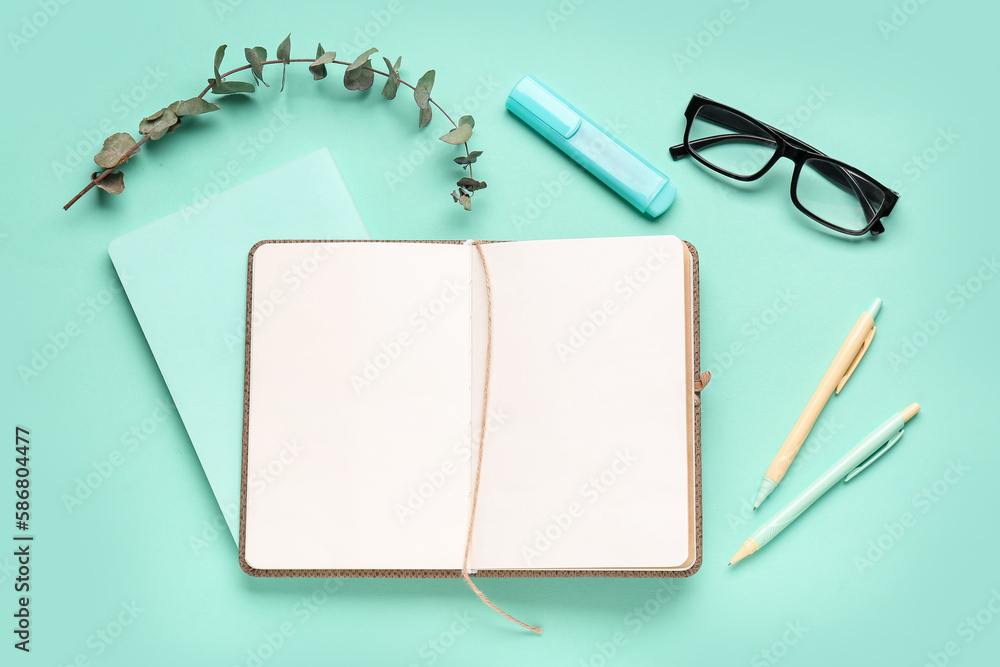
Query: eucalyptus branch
x,y
358,75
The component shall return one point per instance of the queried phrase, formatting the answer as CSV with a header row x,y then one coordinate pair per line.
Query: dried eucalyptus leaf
x,y
284,54
219,54
362,60
390,88
193,107
318,67
466,202
255,57
471,184
361,78
230,87
422,91
466,120
459,135
113,182
466,160
391,81
425,117
159,123
115,148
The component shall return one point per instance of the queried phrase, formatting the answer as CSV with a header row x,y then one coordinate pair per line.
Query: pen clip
x,y
871,459
857,359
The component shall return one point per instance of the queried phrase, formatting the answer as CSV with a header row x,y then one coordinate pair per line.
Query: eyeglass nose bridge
x,y
796,154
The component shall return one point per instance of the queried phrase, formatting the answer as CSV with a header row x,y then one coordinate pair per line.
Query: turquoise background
x,y
888,570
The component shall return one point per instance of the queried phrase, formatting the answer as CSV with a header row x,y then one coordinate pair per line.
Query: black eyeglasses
x,y
829,191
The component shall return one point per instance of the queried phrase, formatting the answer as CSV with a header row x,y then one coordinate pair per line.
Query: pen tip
x,y
910,411
875,307
748,547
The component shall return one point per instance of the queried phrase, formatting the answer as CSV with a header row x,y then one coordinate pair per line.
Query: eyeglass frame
x,y
794,149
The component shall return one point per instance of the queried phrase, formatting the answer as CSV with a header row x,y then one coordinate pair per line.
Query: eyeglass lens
x,y
730,142
838,194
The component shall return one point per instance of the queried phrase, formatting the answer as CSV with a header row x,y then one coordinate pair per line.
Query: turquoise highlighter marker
x,y
640,183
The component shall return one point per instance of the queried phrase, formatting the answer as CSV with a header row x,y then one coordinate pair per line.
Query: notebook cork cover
x,y
363,397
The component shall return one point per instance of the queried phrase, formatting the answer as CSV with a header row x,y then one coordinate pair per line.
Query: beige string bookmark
x,y
482,437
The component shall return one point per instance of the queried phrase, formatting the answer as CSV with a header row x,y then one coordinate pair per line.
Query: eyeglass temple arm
x,y
678,151
845,181
681,150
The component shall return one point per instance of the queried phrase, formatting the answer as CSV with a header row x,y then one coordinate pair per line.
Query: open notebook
x,y
364,392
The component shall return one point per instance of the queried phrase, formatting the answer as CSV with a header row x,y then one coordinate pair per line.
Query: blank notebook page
x,y
359,406
589,460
